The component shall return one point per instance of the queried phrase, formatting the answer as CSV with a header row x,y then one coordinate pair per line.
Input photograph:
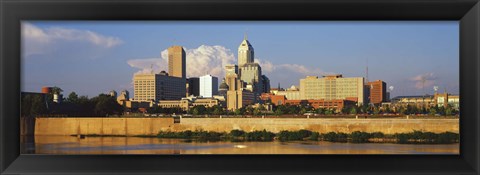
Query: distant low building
x,y
189,102
183,104
438,99
274,99
292,93
414,100
332,87
324,104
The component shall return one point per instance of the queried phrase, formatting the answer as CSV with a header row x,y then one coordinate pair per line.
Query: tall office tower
x,y
245,52
378,91
266,84
194,86
176,62
237,96
251,73
208,86
231,69
332,87
223,88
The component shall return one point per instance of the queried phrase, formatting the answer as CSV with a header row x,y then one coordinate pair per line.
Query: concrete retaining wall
x,y
387,126
151,126
101,126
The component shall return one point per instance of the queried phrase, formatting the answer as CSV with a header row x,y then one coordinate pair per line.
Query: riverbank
x,y
416,137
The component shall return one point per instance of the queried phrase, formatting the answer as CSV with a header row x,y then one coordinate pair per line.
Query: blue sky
x,y
95,57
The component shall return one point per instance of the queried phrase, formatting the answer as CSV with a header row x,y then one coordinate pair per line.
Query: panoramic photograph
x,y
240,87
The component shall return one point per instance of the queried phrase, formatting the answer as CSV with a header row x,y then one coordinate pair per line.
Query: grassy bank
x,y
416,137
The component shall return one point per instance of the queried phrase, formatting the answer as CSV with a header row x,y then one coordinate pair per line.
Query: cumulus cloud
x,y
424,80
38,40
212,60
269,67
200,61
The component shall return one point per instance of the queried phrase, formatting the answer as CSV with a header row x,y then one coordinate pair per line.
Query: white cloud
x,y
269,67
38,40
212,60
200,61
424,80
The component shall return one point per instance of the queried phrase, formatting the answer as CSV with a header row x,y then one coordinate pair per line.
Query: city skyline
x,y
429,52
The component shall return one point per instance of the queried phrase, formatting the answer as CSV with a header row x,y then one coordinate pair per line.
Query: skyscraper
x,y
176,62
208,86
193,86
245,52
250,72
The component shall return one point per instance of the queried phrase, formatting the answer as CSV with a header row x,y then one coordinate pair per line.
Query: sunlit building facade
x,y
332,87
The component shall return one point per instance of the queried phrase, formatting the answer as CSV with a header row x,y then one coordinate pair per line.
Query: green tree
x,y
280,110
448,111
320,111
26,105
56,90
353,110
38,105
217,110
72,98
238,112
433,111
106,105
249,110
329,112
257,111
376,110
199,110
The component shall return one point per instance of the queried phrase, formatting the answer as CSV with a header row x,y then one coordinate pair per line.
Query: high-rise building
x,y
237,95
193,86
266,84
223,88
332,87
176,62
155,87
208,86
245,52
251,73
231,69
377,92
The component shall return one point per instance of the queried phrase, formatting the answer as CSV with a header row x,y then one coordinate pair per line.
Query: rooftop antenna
x,y
245,35
366,71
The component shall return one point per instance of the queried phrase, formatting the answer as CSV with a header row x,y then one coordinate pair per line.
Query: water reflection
x,y
137,145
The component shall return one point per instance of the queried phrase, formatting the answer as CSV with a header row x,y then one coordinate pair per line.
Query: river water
x,y
138,145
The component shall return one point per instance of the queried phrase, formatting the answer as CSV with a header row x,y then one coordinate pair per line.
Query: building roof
x,y
413,96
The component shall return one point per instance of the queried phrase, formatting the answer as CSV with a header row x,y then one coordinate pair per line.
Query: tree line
x,y
73,105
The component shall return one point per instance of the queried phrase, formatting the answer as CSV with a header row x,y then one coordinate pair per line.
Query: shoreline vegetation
x,y
415,137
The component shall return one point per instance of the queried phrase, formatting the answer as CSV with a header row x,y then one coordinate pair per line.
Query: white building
x,y
208,86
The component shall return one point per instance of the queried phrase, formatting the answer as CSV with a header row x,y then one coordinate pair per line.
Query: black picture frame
x,y
14,11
